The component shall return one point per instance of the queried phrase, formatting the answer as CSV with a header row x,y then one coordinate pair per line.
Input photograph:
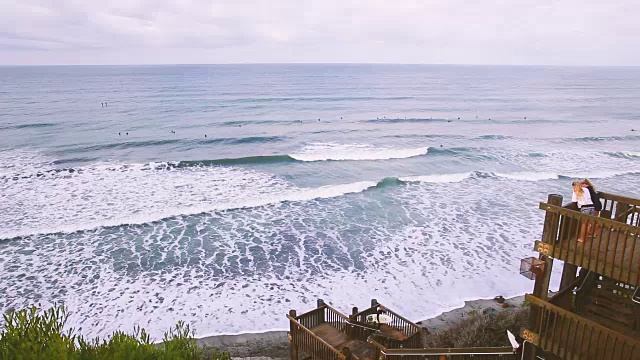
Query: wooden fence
x,y
410,329
621,208
611,248
570,336
302,337
485,353
323,313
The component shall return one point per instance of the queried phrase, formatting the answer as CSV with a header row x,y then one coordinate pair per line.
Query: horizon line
x,y
317,63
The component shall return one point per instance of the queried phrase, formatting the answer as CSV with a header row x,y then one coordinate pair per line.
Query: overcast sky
x,y
562,32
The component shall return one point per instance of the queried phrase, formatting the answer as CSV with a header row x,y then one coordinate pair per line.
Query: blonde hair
x,y
589,183
577,188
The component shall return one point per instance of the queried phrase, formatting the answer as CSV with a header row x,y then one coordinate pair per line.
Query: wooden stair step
x,y
608,285
330,334
611,295
606,322
362,349
611,304
610,316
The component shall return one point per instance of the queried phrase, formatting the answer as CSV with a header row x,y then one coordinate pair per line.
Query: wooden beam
x,y
569,272
549,232
619,198
541,285
292,336
551,208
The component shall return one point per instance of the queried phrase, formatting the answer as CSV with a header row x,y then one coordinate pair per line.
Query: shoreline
x,y
453,317
274,344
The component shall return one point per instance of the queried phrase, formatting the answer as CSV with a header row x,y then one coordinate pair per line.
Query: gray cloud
x,y
403,31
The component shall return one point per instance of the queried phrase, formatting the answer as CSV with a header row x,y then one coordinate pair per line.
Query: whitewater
x,y
400,183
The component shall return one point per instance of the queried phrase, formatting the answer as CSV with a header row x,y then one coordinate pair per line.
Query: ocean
x,y
225,195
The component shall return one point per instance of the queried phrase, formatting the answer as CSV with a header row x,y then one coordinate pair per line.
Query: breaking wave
x,y
625,154
332,151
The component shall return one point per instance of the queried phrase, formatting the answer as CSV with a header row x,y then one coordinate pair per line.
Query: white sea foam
x,y
109,194
528,176
600,174
438,178
333,151
631,154
256,263
118,194
16,162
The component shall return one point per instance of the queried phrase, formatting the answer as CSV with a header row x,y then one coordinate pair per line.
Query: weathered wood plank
x,y
610,253
570,336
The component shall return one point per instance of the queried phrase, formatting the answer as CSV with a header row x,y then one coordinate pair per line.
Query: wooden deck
x,y
609,253
339,340
610,248
326,334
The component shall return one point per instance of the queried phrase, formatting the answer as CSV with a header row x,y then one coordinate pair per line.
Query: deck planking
x,y
339,340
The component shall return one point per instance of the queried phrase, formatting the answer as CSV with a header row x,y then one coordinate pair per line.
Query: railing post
x,y
376,353
321,317
541,286
549,233
622,212
568,275
350,328
347,353
568,270
292,336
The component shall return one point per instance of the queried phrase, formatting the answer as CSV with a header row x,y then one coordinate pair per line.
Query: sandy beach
x,y
274,345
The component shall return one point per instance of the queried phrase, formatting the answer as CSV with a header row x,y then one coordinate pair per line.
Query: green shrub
x,y
29,334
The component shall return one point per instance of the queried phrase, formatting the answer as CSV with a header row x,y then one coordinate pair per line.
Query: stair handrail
x,y
498,350
363,325
314,336
635,293
586,277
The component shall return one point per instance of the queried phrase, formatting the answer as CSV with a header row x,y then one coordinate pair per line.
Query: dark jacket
x,y
595,199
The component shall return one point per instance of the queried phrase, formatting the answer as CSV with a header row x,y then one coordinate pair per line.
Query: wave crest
x,y
625,154
336,152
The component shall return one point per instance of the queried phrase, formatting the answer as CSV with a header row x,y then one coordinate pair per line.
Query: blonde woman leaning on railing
x,y
583,199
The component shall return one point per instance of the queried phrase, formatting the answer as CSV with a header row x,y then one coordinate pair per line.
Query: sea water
x,y
415,185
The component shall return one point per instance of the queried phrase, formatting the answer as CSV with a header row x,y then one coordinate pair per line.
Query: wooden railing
x,y
570,336
613,250
301,335
485,353
621,208
311,343
564,298
323,313
410,329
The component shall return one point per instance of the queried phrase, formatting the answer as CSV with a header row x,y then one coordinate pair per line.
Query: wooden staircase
x,y
326,334
609,303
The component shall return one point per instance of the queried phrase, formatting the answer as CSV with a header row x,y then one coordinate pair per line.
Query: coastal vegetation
x,y
480,330
40,334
